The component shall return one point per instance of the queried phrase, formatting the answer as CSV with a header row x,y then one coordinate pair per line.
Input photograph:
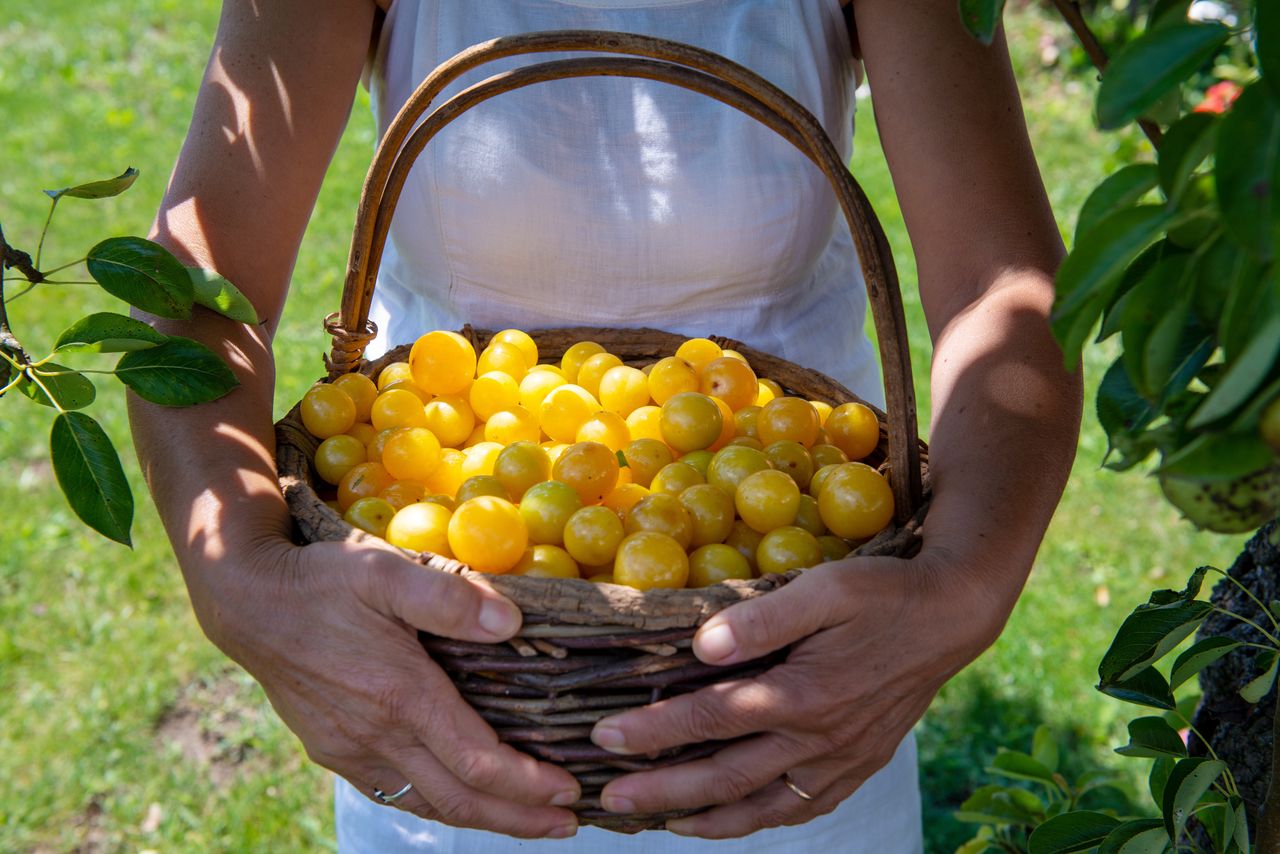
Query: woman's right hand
x,y
329,630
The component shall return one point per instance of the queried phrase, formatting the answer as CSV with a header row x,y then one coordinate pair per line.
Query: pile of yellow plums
x,y
686,472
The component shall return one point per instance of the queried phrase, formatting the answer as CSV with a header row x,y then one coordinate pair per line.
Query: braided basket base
x,y
586,651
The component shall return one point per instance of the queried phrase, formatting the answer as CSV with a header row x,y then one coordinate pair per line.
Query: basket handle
x,y
666,61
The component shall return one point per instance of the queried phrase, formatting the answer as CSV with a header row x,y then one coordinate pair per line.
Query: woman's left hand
x,y
875,638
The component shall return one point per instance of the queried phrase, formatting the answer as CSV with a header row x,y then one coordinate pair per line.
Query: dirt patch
x,y
213,724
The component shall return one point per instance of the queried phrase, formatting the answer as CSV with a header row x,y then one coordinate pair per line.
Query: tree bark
x,y
1241,734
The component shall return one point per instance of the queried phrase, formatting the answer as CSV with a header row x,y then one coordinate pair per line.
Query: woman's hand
x,y
874,640
329,630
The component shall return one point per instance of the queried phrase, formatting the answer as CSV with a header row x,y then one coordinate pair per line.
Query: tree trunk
x,y
1242,734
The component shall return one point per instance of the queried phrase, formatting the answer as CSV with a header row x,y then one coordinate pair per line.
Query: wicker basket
x,y
587,650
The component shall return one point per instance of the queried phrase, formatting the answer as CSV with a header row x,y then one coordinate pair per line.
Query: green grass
x,y
108,681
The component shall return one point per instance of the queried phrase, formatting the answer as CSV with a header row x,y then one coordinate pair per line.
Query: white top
x,y
619,202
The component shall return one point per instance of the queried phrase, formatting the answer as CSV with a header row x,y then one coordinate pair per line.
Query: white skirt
x,y
882,817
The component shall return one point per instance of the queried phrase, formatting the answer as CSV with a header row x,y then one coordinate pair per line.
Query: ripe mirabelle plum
x,y
512,425
520,465
624,497
646,423
787,548
663,514
480,459
833,548
421,527
767,500
716,562
482,484
443,362
826,455
363,431
370,514
748,442
564,410
507,358
448,502
645,458
791,418
594,369
746,421
493,392
521,339
402,493
700,460
764,393
711,510
374,448
690,421
448,475
607,428
823,409
590,468
366,480
746,541
398,408
734,354
571,361
728,427
411,453
409,386
488,534
820,477
669,377
856,501
732,464
476,437
327,411
675,478
699,352
730,380
623,389
536,385
544,561
546,508
592,535
450,418
336,456
854,429
791,458
647,560
394,372
361,390
809,517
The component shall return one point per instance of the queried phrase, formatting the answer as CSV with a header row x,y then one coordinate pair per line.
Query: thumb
x,y
434,601
759,626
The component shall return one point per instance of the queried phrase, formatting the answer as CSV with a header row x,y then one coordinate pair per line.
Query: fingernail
x,y
681,827
716,644
616,803
610,738
564,832
565,798
499,618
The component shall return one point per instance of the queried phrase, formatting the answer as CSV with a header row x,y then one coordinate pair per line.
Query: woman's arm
x,y
328,629
887,633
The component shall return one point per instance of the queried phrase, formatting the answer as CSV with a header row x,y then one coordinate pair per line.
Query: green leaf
x,y
1147,635
179,372
1020,766
1274,606
1198,657
143,274
1229,288
1141,836
98,189
1241,825
1145,688
1160,354
1151,65
1166,12
213,291
1186,710
1151,737
1247,172
1258,688
1253,299
1266,27
1073,831
1002,805
89,474
1089,276
1155,320
981,18
1158,779
1188,782
1189,592
1122,189
71,389
1045,748
1183,148
1218,457
977,845
105,332
1246,373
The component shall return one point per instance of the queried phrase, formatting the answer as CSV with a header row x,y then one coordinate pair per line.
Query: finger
x,y
721,711
437,795
728,776
437,602
773,806
762,625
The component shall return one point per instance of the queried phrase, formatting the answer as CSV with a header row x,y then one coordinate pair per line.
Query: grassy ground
x,y
123,729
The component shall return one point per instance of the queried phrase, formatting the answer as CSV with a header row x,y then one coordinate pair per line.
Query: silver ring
x,y
791,784
391,799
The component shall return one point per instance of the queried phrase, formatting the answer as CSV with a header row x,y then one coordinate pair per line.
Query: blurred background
x,y
122,728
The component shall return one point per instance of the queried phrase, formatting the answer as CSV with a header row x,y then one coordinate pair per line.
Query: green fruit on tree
x,y
1230,507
